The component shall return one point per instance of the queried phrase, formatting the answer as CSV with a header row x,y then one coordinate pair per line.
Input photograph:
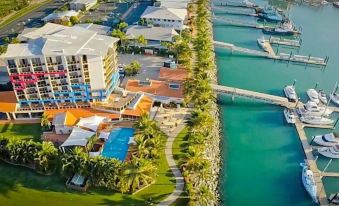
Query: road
x,y
32,19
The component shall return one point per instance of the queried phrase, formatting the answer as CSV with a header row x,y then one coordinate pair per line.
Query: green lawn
x,y
21,186
21,12
178,145
22,131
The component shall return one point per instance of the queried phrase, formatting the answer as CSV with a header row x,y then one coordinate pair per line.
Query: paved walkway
x,y
179,179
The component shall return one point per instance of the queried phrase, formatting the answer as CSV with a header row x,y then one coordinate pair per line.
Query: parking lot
x,y
108,13
150,66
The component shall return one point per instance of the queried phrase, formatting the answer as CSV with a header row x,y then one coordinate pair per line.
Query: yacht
x,y
313,95
261,43
330,152
335,98
322,96
285,28
316,120
334,199
249,4
336,4
308,182
312,109
289,116
290,93
327,140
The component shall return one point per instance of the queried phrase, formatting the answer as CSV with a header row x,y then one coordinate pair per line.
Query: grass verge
x,y
21,131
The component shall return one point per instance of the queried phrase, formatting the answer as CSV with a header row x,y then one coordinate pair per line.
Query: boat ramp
x,y
269,53
282,101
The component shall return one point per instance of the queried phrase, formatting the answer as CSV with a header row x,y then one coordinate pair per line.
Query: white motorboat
x,y
330,152
289,116
313,95
312,109
249,4
322,96
327,140
308,182
334,199
290,93
261,43
316,120
335,98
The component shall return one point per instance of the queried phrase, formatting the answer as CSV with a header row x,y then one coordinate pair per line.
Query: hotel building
x,y
58,67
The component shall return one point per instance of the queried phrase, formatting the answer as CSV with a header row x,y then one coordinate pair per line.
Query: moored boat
x,y
330,152
308,182
290,93
261,43
335,98
271,17
334,199
289,116
313,95
286,29
327,140
316,120
312,109
322,96
336,4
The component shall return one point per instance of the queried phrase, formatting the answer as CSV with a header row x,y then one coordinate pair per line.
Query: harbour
x,y
273,146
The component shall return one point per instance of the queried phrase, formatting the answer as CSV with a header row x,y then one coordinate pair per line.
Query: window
x,y
59,60
174,86
11,62
173,20
36,61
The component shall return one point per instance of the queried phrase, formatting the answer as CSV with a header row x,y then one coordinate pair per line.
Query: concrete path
x,y
179,180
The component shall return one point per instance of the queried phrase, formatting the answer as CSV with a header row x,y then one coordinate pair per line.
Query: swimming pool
x,y
116,145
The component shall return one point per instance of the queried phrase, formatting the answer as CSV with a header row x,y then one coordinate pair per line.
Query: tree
x,y
47,157
3,49
137,174
74,20
133,68
141,40
15,41
45,123
122,36
122,25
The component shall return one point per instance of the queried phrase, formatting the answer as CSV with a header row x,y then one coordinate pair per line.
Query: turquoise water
x,y
117,144
261,153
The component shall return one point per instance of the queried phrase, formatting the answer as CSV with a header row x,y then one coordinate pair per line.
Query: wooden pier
x,y
272,55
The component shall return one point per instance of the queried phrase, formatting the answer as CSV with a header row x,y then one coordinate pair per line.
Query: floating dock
x,y
219,10
285,42
269,53
234,4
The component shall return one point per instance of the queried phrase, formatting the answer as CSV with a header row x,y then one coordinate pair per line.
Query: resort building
x,y
165,17
60,67
153,35
59,17
169,87
82,4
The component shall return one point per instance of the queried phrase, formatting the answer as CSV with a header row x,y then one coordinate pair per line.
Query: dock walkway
x,y
311,162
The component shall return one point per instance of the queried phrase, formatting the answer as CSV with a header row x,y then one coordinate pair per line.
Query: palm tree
x,y
201,196
136,174
45,123
47,157
122,36
141,40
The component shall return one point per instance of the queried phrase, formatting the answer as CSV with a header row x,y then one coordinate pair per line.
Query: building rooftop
x,y
100,29
54,39
164,13
83,1
151,33
65,118
60,15
176,4
159,88
168,74
144,106
80,112
8,101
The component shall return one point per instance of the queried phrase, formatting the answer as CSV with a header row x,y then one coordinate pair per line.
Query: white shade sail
x,y
91,123
104,135
78,137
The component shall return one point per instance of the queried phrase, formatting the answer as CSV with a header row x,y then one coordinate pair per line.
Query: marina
x,y
279,142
